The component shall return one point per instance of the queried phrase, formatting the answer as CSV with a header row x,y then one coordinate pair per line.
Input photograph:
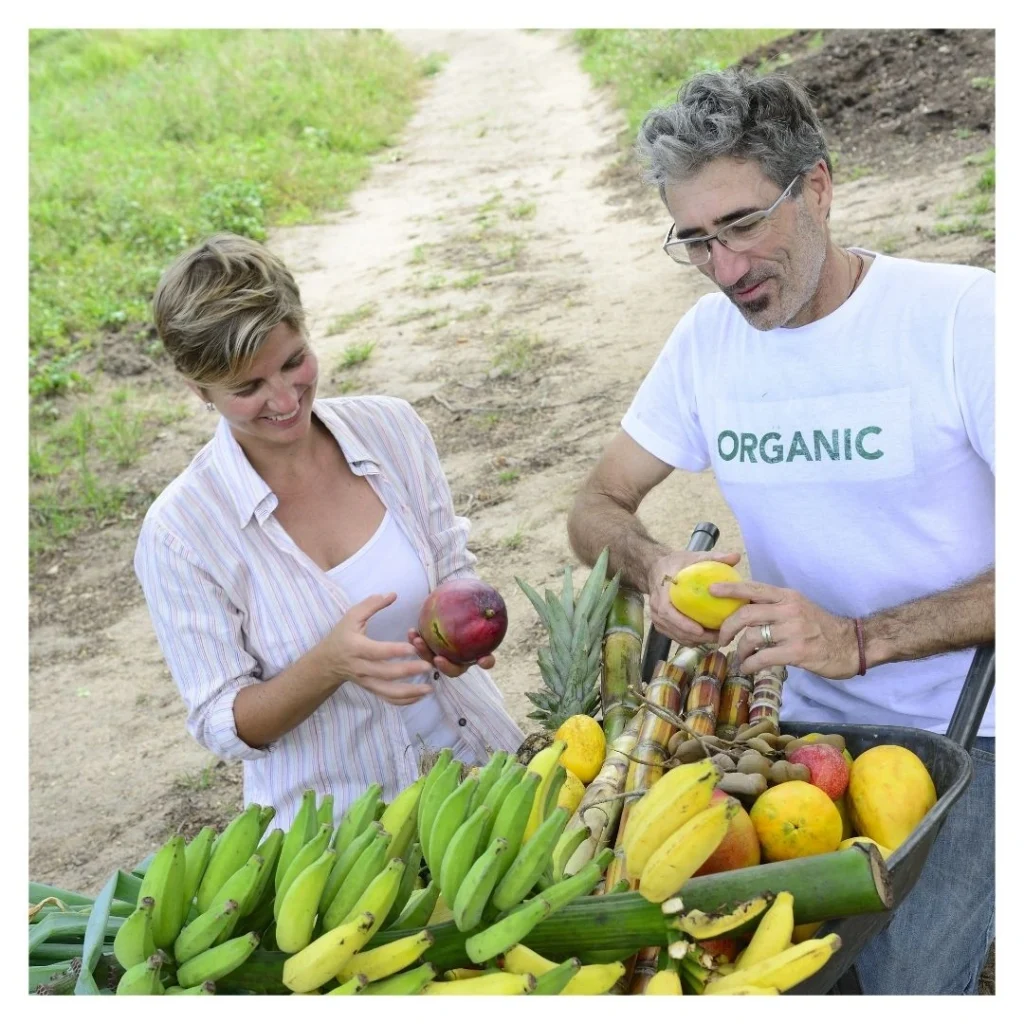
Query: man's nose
x,y
727,266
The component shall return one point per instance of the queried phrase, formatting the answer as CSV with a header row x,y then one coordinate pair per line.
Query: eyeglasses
x,y
742,234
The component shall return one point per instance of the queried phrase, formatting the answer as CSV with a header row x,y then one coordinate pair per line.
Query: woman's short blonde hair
x,y
216,304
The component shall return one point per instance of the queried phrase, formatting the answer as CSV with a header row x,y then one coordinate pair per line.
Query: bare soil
x,y
508,271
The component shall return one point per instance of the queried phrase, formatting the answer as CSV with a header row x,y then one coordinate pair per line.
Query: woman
x,y
285,568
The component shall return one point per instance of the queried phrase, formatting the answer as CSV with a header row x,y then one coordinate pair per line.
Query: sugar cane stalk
x,y
620,660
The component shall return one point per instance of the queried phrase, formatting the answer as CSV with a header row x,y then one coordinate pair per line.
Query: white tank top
x,y
388,563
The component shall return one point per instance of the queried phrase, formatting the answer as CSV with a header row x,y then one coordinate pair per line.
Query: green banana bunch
x,y
306,856
315,964
234,846
165,882
450,815
420,906
379,896
413,862
476,888
347,857
370,864
133,942
530,863
143,979
444,758
460,853
197,857
204,931
355,820
443,786
399,818
217,961
486,778
238,889
297,914
301,831
408,983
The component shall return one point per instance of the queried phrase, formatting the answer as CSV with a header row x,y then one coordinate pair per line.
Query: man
x,y
845,401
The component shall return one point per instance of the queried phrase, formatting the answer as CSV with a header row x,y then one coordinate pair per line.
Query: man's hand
x,y
803,635
665,618
443,665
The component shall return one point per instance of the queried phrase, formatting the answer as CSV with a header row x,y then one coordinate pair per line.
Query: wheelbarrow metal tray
x,y
951,769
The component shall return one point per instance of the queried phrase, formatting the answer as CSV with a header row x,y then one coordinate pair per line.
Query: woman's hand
x,y
443,665
371,664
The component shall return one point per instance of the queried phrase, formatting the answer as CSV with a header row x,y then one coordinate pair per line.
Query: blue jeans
x,y
937,941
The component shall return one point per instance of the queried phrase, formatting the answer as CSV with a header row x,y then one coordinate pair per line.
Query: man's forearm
x,y
953,620
596,522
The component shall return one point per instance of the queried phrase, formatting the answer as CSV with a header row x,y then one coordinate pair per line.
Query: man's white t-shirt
x,y
857,454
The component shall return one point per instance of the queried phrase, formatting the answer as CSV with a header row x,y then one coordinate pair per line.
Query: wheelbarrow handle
x,y
703,538
974,697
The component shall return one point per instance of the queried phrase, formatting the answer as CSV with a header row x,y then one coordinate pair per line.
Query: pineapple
x,y
571,662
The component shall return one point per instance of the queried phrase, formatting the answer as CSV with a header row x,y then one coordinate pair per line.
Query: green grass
x,y
342,323
508,476
356,353
142,142
646,67
523,211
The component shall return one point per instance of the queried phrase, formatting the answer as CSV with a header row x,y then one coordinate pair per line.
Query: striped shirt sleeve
x,y
200,634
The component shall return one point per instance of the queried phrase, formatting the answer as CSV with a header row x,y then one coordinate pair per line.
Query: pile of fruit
x,y
678,845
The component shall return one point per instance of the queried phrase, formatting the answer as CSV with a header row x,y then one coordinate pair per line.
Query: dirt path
x,y
517,302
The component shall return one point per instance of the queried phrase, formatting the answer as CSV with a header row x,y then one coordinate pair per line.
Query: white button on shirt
x,y
234,601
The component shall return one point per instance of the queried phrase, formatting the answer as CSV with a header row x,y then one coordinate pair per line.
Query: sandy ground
x,y
518,297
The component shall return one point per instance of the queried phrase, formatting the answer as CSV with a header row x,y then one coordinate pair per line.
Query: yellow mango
x,y
890,791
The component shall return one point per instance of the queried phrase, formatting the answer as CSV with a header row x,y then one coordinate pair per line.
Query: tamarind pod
x,y
739,785
753,729
784,771
753,763
760,745
725,762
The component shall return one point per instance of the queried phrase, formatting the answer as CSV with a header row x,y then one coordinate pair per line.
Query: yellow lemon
x,y
571,793
584,746
689,593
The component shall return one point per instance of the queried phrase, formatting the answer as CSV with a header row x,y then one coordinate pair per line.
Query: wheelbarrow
x,y
947,759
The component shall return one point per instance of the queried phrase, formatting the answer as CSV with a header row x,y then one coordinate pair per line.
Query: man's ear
x,y
818,190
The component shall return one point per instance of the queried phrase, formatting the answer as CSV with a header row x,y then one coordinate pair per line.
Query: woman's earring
x,y
210,406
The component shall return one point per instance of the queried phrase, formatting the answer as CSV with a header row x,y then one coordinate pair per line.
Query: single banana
x,y
325,812
745,990
700,925
133,942
388,959
266,817
555,980
370,864
569,841
673,863
773,934
444,758
356,818
301,831
323,959
508,780
555,784
399,818
544,764
477,886
450,815
591,979
505,933
530,863
234,846
217,961
496,984
444,784
782,971
455,973
165,882
514,813
297,915
689,794
352,987
204,931
143,979
208,988
306,856
413,863
581,884
595,979
239,889
664,983
417,912
197,857
347,858
379,896
408,983
460,853
269,850
489,775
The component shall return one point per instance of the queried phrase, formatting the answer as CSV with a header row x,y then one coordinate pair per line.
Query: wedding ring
x,y
766,635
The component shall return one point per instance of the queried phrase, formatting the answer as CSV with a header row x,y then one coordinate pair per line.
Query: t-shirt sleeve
x,y
663,416
974,365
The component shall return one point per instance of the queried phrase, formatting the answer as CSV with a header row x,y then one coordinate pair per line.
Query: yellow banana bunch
x,y
670,803
323,959
773,935
673,863
782,971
